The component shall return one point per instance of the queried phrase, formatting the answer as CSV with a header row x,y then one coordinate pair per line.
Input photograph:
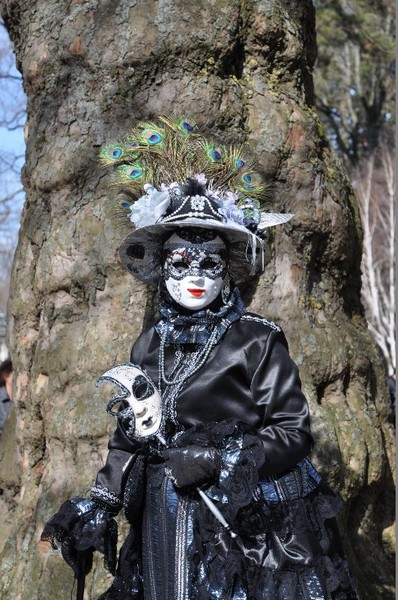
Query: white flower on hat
x,y
201,178
173,188
229,198
232,213
149,208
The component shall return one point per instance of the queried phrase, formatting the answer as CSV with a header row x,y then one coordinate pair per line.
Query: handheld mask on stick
x,y
139,405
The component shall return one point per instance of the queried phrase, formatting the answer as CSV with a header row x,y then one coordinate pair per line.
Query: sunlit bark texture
x,y
241,68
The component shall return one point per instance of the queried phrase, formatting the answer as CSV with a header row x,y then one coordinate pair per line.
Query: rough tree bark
x,y
90,68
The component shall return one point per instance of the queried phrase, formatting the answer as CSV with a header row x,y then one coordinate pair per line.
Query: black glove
x,y
80,527
192,465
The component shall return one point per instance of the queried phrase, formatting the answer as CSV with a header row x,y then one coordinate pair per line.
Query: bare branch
x,y
375,187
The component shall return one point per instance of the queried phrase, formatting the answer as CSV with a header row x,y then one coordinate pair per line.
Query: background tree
x,y
355,75
89,70
355,98
375,189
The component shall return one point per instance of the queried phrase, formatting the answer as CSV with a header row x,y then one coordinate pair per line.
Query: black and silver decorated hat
x,y
169,177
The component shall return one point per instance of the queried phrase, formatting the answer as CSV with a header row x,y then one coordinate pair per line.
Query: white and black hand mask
x,y
195,267
138,407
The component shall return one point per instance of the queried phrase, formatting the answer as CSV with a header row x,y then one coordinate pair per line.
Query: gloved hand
x,y
192,465
80,527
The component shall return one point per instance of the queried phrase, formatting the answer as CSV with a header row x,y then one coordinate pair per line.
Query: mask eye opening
x,y
180,265
116,406
208,264
142,389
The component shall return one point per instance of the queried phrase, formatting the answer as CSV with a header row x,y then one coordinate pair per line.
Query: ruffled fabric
x,y
288,545
296,556
242,454
80,527
195,327
127,585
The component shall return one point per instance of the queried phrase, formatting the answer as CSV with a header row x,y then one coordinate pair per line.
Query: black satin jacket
x,y
248,376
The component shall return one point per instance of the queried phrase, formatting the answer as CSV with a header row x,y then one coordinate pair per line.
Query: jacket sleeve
x,y
285,424
111,479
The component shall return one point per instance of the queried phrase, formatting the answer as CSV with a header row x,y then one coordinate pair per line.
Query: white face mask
x,y
194,272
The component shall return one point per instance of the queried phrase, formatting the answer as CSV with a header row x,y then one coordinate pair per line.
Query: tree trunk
x,y
239,67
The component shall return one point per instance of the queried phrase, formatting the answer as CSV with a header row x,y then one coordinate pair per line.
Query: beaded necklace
x,y
198,360
184,369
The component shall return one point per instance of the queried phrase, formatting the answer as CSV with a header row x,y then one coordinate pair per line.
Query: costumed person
x,y
211,410
5,391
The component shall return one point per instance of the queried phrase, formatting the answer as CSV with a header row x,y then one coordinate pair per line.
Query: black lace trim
x,y
128,583
79,528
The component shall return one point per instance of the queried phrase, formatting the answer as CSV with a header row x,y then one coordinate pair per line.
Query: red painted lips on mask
x,y
196,292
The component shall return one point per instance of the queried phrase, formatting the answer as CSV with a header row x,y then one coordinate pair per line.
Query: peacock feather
x,y
149,135
114,154
132,172
182,125
172,150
